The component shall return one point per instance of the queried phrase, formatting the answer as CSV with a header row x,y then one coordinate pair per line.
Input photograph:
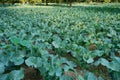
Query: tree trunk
x,y
46,2
70,3
67,1
116,1
13,2
3,2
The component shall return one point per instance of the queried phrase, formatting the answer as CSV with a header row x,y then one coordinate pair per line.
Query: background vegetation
x,y
54,1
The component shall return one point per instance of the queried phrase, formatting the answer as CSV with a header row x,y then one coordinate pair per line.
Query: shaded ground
x,y
31,74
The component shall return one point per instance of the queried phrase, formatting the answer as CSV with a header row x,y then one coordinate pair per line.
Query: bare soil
x,y
31,74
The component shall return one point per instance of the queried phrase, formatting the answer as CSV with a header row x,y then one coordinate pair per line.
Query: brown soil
x,y
100,71
71,73
51,51
92,47
31,74
117,54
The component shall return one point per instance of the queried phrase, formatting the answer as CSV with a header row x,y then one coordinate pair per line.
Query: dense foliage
x,y
62,43
54,1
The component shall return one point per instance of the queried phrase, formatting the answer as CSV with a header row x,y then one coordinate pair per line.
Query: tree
x,y
70,2
2,1
60,1
46,2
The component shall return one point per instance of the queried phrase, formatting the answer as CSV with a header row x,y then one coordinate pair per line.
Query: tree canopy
x,y
54,1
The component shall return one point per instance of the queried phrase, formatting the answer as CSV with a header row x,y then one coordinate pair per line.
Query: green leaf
x,y
102,61
66,77
98,53
2,68
55,44
4,77
15,40
71,64
117,59
51,72
16,74
80,78
66,68
90,60
91,76
17,60
100,78
113,65
33,61
59,72
25,43
116,75
118,45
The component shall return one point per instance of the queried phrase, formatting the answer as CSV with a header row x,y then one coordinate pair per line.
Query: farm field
x,y
81,42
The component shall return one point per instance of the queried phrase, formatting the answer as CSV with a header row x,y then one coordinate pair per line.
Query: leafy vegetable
x,y
55,40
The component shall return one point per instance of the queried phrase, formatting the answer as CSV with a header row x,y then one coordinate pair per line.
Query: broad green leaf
x,y
71,64
91,76
2,68
117,59
116,75
80,78
16,74
51,72
100,78
118,45
17,60
102,61
15,40
66,77
4,77
113,65
59,72
90,60
33,61
56,44
66,68
25,43
99,53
